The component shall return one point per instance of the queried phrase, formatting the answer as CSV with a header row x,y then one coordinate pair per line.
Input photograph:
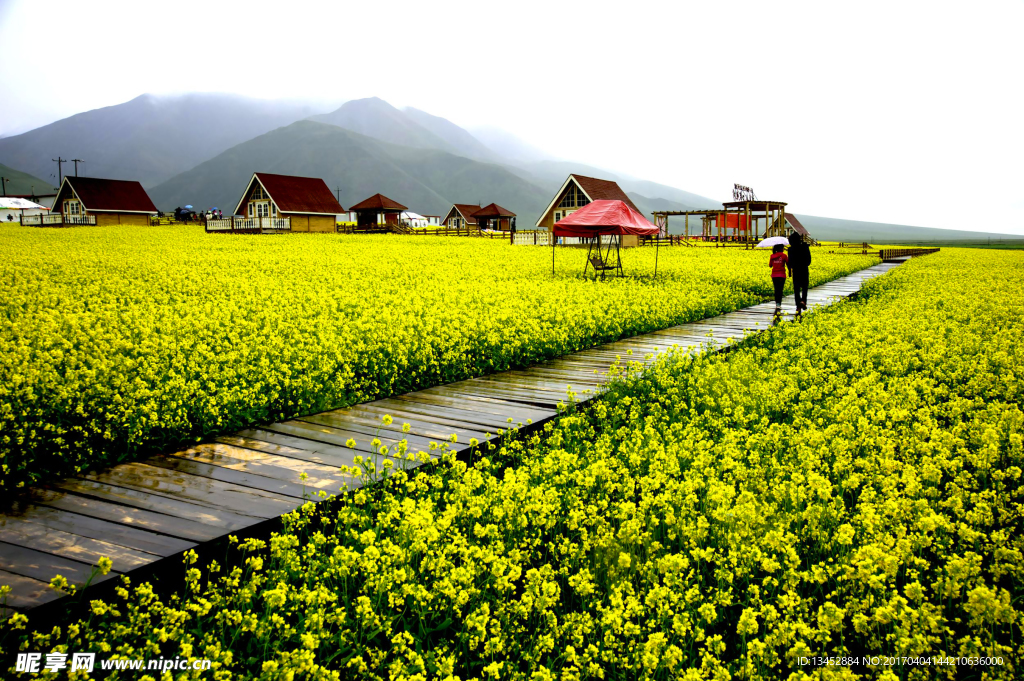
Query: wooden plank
x,y
76,547
125,515
397,409
27,592
420,427
337,424
94,528
195,489
510,397
319,476
207,515
427,407
236,475
286,445
453,395
337,436
27,562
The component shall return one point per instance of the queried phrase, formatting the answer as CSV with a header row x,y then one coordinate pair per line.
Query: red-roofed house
x,y
284,203
94,201
576,192
460,216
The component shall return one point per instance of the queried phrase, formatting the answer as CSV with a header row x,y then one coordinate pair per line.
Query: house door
x,y
259,209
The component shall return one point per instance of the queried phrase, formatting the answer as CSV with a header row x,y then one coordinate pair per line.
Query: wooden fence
x,y
893,253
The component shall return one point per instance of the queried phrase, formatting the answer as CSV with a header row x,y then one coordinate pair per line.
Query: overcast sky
x,y
904,112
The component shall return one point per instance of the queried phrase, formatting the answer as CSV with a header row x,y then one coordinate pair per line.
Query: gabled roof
x,y
291,194
111,196
466,210
800,229
378,202
595,189
601,190
493,210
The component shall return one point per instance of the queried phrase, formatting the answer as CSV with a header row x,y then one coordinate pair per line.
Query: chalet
x,y
378,209
460,216
287,203
576,192
493,216
94,201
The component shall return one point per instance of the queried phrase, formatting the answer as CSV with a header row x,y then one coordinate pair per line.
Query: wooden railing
x,y
892,253
249,225
670,240
533,237
57,219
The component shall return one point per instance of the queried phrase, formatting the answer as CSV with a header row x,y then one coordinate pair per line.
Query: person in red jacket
x,y
778,262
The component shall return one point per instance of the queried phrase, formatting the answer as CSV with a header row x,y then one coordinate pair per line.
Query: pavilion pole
x,y
552,252
657,247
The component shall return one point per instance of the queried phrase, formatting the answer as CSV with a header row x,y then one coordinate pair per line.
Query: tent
x,y
413,219
603,218
13,207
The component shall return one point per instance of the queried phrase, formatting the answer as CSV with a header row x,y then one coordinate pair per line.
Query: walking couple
x,y
797,262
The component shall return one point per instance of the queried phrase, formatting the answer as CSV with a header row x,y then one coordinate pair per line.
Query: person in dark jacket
x,y
799,262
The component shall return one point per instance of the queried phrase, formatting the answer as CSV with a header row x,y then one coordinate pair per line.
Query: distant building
x,y
494,217
287,202
377,210
95,201
576,192
460,216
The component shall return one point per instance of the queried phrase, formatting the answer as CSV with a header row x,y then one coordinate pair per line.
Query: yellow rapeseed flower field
x,y
117,341
848,487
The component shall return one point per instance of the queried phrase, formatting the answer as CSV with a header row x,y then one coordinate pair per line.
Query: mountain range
x,y
18,183
201,149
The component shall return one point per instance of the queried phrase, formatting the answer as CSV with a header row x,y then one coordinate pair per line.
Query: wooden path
x,y
139,513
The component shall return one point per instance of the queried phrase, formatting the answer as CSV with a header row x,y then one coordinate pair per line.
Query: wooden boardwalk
x,y
139,513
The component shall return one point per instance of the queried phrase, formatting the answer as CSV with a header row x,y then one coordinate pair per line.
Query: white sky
x,y
905,112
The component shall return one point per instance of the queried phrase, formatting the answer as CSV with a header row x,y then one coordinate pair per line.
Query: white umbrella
x,y
773,241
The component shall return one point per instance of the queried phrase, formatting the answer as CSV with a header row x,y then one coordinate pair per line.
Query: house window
x,y
72,207
258,194
573,198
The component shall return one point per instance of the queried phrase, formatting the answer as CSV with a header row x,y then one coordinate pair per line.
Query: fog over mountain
x,y
149,138
200,149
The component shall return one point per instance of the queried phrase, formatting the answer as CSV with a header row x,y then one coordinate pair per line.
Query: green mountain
x,y
428,181
149,138
373,117
19,183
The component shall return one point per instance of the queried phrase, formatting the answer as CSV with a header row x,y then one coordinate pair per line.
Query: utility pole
x,y
3,183
76,161
337,192
59,161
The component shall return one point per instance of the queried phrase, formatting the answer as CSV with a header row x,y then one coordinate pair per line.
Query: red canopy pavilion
x,y
603,218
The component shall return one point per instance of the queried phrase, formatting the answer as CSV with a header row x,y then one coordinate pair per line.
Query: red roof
x,y
466,210
599,190
604,217
378,202
796,224
493,210
300,194
113,196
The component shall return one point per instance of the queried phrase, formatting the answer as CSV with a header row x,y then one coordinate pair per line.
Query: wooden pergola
x,y
368,211
737,223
